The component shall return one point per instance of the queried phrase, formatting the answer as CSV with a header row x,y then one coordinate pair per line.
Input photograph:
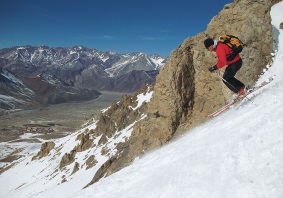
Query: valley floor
x,y
34,126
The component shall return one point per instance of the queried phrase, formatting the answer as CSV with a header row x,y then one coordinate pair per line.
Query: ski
x,y
237,100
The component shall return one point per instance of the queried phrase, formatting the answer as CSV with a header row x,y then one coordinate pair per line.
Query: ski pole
x,y
226,81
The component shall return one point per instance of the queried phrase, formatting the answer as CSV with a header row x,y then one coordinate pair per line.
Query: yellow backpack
x,y
233,42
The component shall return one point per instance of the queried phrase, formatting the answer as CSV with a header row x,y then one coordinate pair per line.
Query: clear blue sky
x,y
150,26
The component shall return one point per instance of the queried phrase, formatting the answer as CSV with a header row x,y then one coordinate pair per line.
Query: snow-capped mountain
x,y
136,61
13,92
80,66
7,79
52,73
30,92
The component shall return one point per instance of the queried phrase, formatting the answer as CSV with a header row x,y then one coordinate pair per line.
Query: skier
x,y
232,66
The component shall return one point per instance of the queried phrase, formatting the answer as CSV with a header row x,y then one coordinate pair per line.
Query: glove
x,y
213,68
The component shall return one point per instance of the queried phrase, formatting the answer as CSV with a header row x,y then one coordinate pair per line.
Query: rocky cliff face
x,y
248,20
184,91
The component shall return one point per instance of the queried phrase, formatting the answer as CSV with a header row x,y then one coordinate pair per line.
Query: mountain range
x,y
55,75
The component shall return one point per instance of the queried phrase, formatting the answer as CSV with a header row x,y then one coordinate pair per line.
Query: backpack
x,y
233,42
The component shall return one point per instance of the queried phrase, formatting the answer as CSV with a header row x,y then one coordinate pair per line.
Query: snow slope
x,y
238,154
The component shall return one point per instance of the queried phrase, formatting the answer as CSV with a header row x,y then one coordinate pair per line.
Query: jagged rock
x,y
67,159
76,167
91,162
105,150
45,149
119,116
63,179
275,1
102,140
85,143
101,171
281,26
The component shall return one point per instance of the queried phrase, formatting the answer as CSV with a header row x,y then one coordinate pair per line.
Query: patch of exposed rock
x,y
91,162
275,1
76,168
102,171
45,149
67,159
120,115
85,142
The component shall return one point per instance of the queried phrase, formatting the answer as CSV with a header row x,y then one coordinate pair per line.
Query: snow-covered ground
x,y
238,154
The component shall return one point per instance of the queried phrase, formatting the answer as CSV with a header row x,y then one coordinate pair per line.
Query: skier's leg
x,y
229,80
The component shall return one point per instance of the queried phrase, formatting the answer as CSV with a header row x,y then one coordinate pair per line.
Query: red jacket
x,y
222,50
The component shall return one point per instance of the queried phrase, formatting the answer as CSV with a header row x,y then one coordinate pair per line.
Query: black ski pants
x,y
229,76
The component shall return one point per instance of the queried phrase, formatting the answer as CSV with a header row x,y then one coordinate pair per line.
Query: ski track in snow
x,y
238,154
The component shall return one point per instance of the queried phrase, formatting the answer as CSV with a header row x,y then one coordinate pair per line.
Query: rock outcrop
x,y
45,149
275,1
67,159
85,143
251,22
